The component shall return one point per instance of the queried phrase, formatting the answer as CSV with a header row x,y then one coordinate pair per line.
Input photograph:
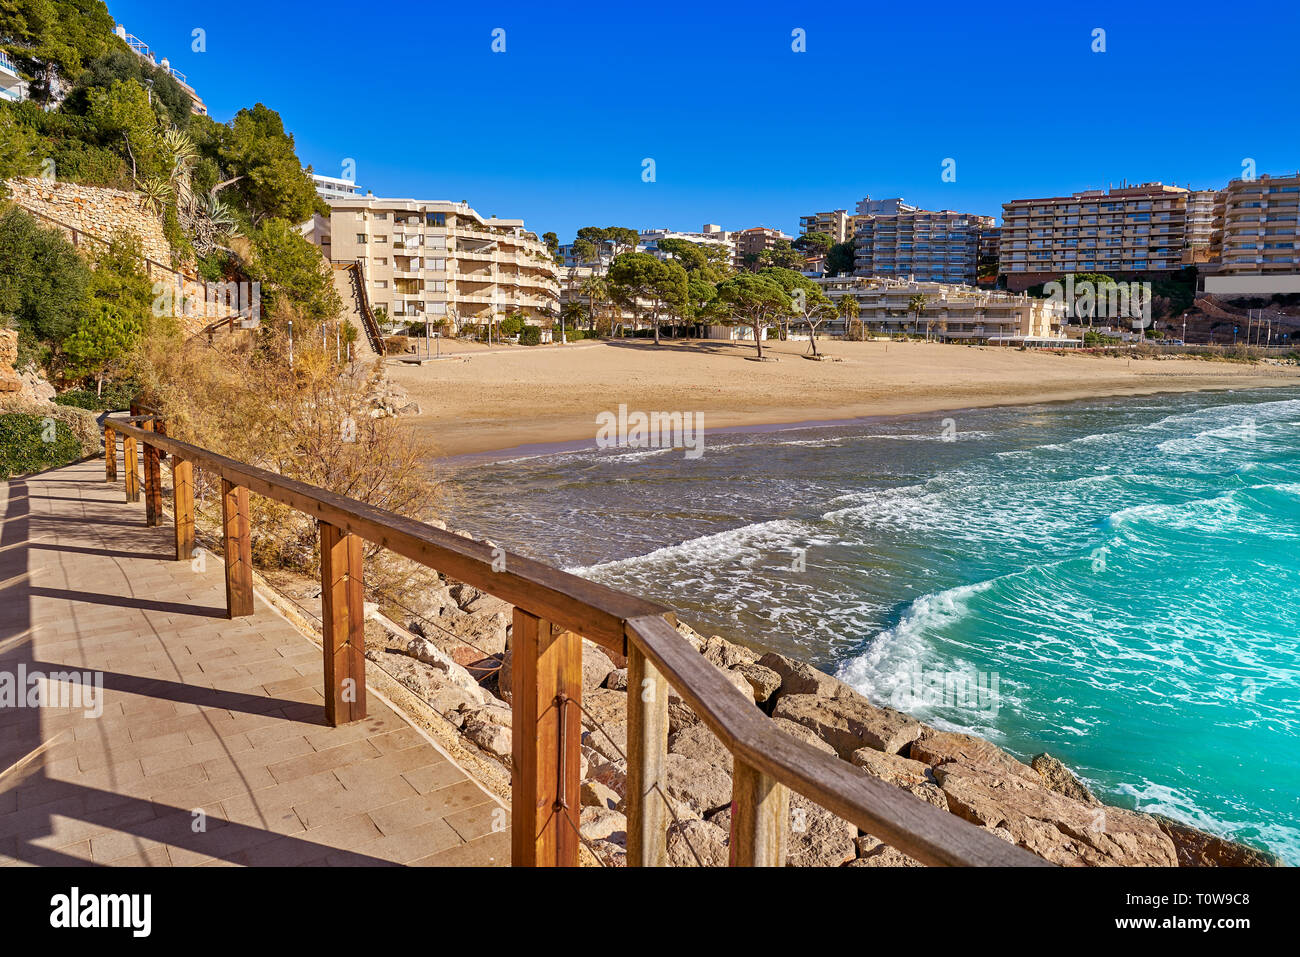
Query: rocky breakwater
x,y
457,655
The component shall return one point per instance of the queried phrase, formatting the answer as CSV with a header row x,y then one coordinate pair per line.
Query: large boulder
x,y
1057,777
1196,848
596,667
700,786
849,722
912,776
707,840
604,715
602,824
763,682
697,741
1051,825
798,677
726,654
806,735
938,747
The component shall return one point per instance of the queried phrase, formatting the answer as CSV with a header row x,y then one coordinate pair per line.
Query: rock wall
x,y
455,654
93,210
9,380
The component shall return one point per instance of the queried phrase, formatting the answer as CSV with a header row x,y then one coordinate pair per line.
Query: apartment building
x,y
330,188
615,317
883,207
920,244
754,242
1131,233
837,224
710,234
433,260
1256,238
954,313
12,87
141,49
986,262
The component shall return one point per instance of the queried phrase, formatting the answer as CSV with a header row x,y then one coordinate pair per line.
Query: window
x,y
361,238
435,219
381,239
381,260
381,215
381,284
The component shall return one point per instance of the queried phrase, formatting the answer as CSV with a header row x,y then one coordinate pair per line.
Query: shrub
x,y
530,336
79,399
29,443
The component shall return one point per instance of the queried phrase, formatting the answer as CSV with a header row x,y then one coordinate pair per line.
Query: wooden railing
x,y
553,612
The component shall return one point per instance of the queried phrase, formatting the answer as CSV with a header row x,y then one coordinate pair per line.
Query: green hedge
x,y
116,397
530,336
29,443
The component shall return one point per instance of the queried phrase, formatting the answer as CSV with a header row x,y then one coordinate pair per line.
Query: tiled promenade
x,y
211,747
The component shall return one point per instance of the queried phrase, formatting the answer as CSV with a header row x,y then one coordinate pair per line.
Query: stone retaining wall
x,y
94,210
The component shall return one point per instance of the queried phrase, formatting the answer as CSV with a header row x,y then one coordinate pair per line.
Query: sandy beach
x,y
484,400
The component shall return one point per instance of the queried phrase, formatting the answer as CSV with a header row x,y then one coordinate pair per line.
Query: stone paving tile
x,y
203,719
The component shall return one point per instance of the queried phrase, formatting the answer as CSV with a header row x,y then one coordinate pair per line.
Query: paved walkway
x,y
211,747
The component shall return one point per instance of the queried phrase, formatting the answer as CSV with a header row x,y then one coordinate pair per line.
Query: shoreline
x,y
477,411
583,443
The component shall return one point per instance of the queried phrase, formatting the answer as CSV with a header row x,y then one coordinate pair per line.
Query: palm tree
x,y
596,289
850,310
917,305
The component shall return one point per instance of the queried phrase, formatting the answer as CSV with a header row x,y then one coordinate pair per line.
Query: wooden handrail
x,y
575,604
922,830
552,610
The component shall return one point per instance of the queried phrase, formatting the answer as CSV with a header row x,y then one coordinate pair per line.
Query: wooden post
x,y
238,550
647,753
110,454
343,616
547,690
183,507
760,808
132,465
152,480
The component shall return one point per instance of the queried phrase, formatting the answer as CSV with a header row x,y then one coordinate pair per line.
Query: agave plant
x,y
156,194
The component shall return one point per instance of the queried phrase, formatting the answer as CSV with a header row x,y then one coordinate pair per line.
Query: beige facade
x,y
573,286
432,260
1130,232
954,313
837,224
1257,227
754,242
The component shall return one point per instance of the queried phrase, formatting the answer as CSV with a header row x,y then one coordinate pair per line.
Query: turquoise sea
x,y
1116,582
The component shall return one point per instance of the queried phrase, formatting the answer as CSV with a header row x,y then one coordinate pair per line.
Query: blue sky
x,y
742,129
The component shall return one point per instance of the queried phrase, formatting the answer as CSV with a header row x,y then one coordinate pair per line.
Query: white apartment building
x,y
954,313
710,234
142,50
884,207
434,261
330,188
12,87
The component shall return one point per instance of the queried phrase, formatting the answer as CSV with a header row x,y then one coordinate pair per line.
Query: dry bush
x,y
309,420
